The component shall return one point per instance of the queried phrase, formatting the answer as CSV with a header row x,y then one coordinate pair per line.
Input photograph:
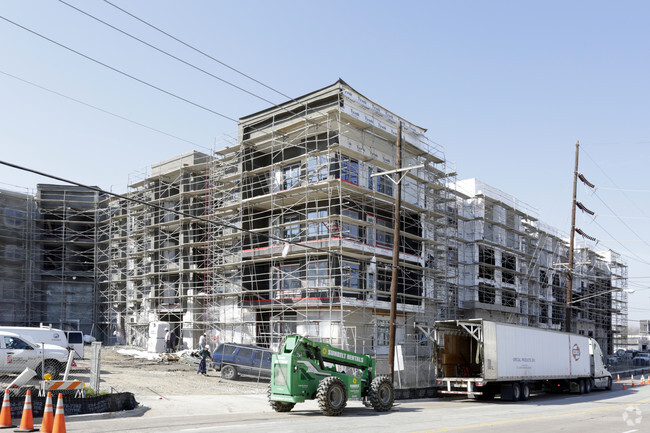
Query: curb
x,y
138,411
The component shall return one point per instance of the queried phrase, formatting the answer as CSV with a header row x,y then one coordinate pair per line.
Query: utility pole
x,y
567,315
393,285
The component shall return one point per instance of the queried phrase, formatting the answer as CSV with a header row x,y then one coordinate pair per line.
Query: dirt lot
x,y
128,373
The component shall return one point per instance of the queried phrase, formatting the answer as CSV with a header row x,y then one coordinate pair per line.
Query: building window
x,y
508,299
486,294
318,274
384,238
13,253
352,231
286,281
14,217
509,264
557,315
291,231
317,229
291,175
349,170
385,184
559,295
317,168
351,275
383,332
486,262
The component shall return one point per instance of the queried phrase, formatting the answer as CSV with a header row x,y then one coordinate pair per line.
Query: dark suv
x,y
234,360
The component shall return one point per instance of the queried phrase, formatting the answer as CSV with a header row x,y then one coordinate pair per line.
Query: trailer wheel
x,y
382,394
588,385
581,386
516,392
525,391
331,396
278,406
229,372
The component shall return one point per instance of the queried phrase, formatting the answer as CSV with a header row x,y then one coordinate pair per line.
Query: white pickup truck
x,y
18,353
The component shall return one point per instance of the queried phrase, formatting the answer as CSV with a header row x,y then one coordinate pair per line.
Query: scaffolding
x,y
289,229
151,266
514,268
16,251
307,235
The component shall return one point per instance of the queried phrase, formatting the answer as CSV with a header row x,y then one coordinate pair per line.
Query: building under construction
x,y
48,257
290,230
514,268
295,233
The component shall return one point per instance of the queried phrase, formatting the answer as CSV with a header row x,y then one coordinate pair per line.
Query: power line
x,y
199,51
624,223
618,242
167,53
119,71
624,190
273,104
178,212
614,183
101,109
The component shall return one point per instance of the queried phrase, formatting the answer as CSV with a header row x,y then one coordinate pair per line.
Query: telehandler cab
x,y
307,370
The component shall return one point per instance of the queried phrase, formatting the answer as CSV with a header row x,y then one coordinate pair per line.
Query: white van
x,y
49,335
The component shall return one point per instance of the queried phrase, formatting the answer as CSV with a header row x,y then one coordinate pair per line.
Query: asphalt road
x,y
623,411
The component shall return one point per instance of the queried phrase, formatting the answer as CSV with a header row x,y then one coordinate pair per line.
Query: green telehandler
x,y
308,370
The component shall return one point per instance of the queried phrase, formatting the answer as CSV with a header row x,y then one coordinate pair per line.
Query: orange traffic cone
x,y
48,415
642,380
623,386
59,417
27,420
618,377
5,414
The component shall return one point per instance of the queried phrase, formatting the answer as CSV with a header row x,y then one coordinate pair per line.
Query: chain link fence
x,y
24,365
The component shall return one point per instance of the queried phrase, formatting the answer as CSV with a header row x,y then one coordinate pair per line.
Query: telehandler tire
x,y
278,406
381,394
331,395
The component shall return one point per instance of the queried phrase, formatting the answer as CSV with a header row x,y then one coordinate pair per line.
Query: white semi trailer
x,y
482,358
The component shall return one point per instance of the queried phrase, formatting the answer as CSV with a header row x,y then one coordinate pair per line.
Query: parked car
x,y
612,361
18,352
234,360
642,359
630,353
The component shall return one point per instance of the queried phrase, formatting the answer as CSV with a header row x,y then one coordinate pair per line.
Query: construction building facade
x,y
47,260
514,268
289,229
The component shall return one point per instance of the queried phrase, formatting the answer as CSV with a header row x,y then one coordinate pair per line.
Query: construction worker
x,y
205,354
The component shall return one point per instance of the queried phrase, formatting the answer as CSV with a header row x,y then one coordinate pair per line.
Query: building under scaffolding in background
x,y
290,230
513,268
47,259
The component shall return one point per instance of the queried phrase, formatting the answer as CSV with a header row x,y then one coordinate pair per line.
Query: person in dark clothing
x,y
205,355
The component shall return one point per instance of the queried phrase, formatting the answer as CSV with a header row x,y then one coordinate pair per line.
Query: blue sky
x,y
506,87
